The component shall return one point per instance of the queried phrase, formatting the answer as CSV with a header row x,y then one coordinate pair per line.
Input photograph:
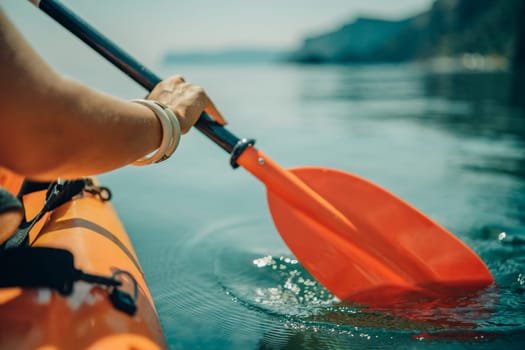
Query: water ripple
x,y
238,281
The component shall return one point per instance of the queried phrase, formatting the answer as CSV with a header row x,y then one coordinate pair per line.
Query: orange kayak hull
x,y
33,318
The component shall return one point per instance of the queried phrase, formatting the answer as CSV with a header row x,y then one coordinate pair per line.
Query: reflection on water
x,y
450,143
494,111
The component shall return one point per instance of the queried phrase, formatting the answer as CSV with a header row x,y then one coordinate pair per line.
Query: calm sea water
x,y
451,144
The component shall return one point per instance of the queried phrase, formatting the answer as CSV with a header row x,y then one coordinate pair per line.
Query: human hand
x,y
186,100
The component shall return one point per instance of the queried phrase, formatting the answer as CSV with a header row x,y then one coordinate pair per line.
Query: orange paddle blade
x,y
360,241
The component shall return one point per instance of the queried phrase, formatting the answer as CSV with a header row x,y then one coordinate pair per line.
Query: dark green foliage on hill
x,y
449,28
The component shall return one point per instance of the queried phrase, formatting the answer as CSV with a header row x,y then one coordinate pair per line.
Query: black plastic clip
x,y
102,192
238,149
61,191
122,300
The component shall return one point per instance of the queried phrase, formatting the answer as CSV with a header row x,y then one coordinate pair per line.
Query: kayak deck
x,y
40,317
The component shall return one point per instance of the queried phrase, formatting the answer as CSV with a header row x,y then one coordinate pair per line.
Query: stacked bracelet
x,y
170,132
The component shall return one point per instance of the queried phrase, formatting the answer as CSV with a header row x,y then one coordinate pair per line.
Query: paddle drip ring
x,y
237,150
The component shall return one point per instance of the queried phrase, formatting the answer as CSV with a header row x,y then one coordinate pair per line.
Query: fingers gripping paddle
x,y
358,240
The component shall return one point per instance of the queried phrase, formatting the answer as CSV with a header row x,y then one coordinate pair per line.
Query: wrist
x,y
171,132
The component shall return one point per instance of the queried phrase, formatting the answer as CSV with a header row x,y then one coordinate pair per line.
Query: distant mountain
x,y
357,41
226,56
449,28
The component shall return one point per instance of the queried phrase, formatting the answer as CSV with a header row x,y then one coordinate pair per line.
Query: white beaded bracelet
x,y
171,132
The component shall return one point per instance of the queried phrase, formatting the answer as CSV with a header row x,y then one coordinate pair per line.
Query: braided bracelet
x,y
171,132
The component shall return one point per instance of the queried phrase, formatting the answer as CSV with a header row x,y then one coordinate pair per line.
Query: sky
x,y
154,26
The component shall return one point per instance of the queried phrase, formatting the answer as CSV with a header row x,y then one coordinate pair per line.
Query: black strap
x,y
58,193
30,187
44,267
38,267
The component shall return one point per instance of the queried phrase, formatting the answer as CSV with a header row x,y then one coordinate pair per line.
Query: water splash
x,y
295,287
277,286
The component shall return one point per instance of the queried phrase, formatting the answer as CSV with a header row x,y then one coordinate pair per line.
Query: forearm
x,y
51,127
77,131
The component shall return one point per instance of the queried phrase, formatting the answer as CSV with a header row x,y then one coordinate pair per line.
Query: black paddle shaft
x,y
80,28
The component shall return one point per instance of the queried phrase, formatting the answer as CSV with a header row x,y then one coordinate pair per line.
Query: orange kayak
x,y
43,318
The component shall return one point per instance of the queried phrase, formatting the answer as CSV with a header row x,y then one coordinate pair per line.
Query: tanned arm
x,y
54,127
